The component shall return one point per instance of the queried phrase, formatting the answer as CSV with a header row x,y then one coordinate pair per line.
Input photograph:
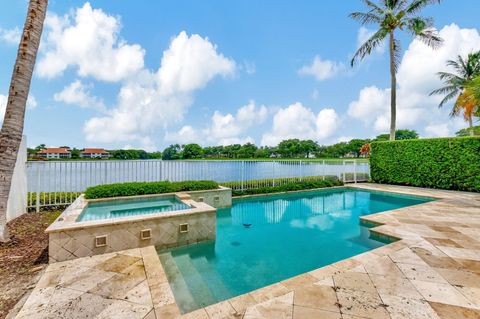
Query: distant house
x,y
54,152
94,153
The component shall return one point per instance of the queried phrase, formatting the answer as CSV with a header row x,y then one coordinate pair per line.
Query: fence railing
x,y
56,183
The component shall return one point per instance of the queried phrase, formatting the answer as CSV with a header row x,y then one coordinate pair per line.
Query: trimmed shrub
x,y
269,182
145,188
445,163
297,186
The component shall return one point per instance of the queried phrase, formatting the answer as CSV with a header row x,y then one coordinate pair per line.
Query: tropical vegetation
x,y
13,121
391,16
145,188
446,163
463,85
288,187
290,148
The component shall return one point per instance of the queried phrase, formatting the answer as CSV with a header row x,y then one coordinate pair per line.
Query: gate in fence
x,y
54,183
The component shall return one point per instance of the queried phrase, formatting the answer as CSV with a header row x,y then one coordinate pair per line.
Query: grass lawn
x,y
24,257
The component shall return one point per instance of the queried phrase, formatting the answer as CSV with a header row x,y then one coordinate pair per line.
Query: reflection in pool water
x,y
286,235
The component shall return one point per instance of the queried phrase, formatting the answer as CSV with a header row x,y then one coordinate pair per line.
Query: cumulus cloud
x,y
224,129
190,63
417,77
77,93
157,99
298,121
321,69
187,134
88,39
227,129
10,36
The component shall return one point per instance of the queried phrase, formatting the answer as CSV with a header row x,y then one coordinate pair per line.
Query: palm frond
x,y
397,54
448,98
417,5
369,45
445,90
450,78
431,38
374,6
365,18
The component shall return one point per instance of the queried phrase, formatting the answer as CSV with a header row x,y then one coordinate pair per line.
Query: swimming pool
x,y
130,207
263,240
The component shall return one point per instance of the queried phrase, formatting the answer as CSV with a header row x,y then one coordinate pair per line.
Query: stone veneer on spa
x,y
70,239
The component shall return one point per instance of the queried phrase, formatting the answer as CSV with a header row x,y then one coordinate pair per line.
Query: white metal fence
x,y
54,183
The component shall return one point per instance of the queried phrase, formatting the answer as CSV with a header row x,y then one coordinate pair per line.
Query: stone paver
x,y
432,272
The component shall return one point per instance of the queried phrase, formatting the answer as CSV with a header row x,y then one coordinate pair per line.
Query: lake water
x,y
64,176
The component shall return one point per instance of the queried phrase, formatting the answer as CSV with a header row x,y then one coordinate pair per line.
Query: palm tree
x,y
390,16
12,127
468,103
455,85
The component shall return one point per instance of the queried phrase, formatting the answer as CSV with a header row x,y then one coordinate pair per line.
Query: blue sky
x,y
146,74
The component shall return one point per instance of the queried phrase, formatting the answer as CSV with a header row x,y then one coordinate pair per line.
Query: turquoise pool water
x,y
267,239
130,207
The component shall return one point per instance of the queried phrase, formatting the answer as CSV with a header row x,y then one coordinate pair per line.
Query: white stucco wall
x,y
17,200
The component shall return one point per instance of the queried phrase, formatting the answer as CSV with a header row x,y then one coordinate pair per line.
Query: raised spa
x,y
131,207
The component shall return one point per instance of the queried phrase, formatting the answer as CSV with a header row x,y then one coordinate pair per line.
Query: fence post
x,y
37,191
324,169
355,171
301,170
242,175
274,163
344,172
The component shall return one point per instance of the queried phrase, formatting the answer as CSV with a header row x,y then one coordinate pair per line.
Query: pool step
x,y
213,279
183,297
198,288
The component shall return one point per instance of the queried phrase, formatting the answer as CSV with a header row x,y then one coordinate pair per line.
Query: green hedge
x,y
133,189
445,163
268,182
297,186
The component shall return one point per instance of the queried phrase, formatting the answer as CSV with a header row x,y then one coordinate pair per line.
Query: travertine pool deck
x,y
432,272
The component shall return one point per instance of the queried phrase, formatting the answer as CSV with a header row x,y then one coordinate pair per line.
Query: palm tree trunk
x,y
12,127
393,92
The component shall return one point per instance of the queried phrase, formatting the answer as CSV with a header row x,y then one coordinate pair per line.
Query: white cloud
x,y
364,34
152,100
223,129
322,69
190,63
79,94
31,102
297,121
10,36
227,129
417,77
88,39
187,134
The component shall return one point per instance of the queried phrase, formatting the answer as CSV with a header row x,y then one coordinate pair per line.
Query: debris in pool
x,y
235,243
247,225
